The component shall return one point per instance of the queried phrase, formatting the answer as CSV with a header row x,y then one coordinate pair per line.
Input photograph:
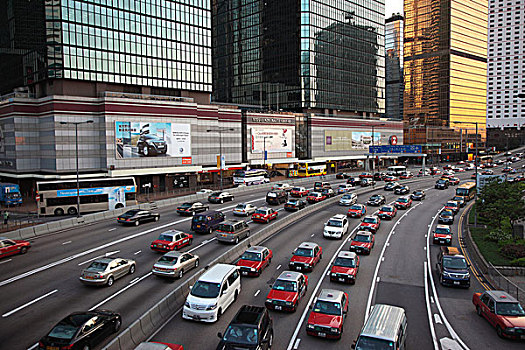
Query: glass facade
x,y
153,43
394,67
297,55
445,63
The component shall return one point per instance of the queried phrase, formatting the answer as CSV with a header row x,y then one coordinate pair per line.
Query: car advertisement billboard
x,y
152,139
271,139
344,140
363,139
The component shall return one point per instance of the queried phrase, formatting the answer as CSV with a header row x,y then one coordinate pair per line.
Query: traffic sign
x,y
395,149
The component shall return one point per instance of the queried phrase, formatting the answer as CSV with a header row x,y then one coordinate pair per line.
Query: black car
x,y
276,197
342,176
366,181
376,200
251,328
390,186
328,192
446,217
402,190
452,268
150,145
294,204
137,217
418,195
191,208
82,330
441,184
379,176
354,181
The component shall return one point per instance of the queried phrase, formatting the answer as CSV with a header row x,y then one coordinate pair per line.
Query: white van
x,y
213,292
397,169
385,328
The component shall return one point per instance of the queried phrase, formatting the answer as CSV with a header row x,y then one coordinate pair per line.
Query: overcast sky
x,y
393,6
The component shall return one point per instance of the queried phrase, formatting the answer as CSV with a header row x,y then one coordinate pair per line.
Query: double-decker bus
x,y
250,177
311,169
467,190
60,197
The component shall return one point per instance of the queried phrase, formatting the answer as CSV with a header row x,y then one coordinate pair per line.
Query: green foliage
x,y
513,251
518,262
488,249
498,235
502,200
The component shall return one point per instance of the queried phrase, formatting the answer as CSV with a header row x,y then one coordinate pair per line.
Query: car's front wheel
x,y
117,325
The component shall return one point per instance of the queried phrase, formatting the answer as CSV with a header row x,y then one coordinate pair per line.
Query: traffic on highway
x,y
380,265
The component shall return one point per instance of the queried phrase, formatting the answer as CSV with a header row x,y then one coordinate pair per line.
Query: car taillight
x,y
67,346
128,219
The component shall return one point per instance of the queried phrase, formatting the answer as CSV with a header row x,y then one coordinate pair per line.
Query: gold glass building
x,y
445,68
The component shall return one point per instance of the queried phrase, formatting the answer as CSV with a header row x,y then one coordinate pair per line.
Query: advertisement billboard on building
x,y
152,139
271,139
343,140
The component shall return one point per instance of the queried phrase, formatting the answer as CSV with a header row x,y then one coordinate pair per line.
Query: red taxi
x,y
370,223
171,240
363,242
502,311
356,211
305,257
403,202
13,246
442,235
406,176
387,212
264,215
345,267
315,197
328,314
453,206
366,176
298,192
390,178
254,260
287,290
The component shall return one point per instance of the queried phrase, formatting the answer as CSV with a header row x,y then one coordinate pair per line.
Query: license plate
x,y
341,279
441,241
278,307
298,267
89,277
52,348
456,282
198,226
321,334
358,250
244,272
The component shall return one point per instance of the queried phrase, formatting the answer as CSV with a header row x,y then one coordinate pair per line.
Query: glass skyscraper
x,y
394,66
445,63
307,55
159,44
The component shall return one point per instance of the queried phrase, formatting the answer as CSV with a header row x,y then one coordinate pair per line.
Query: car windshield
x,y
241,335
261,211
441,181
344,262
303,252
225,228
315,194
168,260
203,289
185,205
63,331
293,201
355,207
402,200
387,209
327,307
347,196
334,223
199,218
286,286
447,213
215,194
129,214
509,309
370,220
271,194
298,189
455,263
369,343
240,206
459,199
374,197
362,238
98,266
164,237
251,256
450,204
442,231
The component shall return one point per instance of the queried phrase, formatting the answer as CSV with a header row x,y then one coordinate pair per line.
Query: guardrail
x,y
504,283
155,317
55,226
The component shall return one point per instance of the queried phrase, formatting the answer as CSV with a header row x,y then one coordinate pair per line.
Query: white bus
x,y
398,169
60,197
250,177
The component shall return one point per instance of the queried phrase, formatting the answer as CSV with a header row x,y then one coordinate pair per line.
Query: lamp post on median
x,y
76,124
220,130
373,151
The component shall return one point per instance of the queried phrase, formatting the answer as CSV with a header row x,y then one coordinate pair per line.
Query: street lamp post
x,y
220,130
373,151
76,124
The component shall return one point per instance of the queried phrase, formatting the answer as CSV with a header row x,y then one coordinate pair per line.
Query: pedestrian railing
x,y
505,284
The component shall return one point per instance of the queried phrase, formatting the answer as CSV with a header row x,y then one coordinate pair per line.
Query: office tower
x,y
394,66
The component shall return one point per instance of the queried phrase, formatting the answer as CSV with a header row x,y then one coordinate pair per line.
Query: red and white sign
x,y
186,160
393,140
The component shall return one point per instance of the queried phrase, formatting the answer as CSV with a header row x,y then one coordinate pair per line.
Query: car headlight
x,y
291,262
187,303
510,329
288,303
310,326
335,330
269,301
211,307
446,274
334,274
467,275
252,269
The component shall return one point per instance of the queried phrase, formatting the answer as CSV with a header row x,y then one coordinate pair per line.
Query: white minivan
x,y
213,293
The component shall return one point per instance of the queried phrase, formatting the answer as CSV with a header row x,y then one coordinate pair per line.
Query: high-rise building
x,y
394,66
506,66
445,63
305,56
90,46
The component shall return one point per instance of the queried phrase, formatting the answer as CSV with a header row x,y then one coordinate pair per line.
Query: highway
x,y
42,287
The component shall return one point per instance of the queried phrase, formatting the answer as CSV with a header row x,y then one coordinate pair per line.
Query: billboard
x,y
271,139
151,139
344,140
363,139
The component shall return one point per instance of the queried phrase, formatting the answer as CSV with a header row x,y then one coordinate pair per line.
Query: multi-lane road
x,y
42,287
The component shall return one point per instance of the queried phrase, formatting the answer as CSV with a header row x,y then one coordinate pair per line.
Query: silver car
x,y
105,271
244,209
348,199
174,264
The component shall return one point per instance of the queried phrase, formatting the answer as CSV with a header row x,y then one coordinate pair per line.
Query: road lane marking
x,y
432,299
378,279
257,293
296,345
5,261
278,267
7,314
140,251
112,229
203,243
313,234
100,256
120,291
437,319
66,242
429,311
134,280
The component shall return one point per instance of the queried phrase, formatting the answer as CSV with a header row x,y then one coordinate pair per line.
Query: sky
x,y
393,6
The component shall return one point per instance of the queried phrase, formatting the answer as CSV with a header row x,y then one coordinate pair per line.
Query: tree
x,y
502,199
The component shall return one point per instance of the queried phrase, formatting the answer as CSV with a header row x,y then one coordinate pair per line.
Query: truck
x,y
10,194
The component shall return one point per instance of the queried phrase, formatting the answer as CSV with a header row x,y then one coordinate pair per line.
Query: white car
x,y
283,186
244,209
336,226
204,191
348,199
344,188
